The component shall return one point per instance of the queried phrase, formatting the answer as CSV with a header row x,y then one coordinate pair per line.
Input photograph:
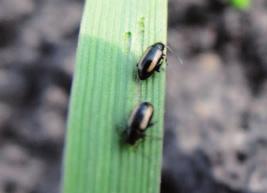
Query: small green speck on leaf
x,y
142,24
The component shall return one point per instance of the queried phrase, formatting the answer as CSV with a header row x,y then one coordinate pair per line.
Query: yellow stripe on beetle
x,y
151,60
138,123
146,119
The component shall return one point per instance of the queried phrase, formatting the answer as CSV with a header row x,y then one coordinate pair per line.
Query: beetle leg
x,y
153,137
165,58
136,77
138,142
158,68
151,124
159,65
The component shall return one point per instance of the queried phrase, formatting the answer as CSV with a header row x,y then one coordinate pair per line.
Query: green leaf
x,y
240,4
113,36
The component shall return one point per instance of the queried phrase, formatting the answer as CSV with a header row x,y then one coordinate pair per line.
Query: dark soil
x,y
37,50
216,115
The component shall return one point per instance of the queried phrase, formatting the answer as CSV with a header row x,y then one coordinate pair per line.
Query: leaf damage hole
x,y
128,41
141,26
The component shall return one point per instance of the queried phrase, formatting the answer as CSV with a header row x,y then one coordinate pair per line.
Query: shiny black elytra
x,y
138,123
151,60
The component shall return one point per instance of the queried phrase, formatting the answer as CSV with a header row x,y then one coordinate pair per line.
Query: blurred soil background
x,y
216,115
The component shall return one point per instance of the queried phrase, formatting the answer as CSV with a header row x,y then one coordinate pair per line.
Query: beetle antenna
x,y
178,58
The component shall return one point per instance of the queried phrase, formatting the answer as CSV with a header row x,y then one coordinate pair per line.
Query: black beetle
x,y
138,123
151,60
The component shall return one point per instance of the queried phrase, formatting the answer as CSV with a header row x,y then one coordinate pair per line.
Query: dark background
x,y
216,115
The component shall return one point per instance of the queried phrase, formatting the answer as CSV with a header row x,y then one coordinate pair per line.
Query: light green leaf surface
x,y
113,36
